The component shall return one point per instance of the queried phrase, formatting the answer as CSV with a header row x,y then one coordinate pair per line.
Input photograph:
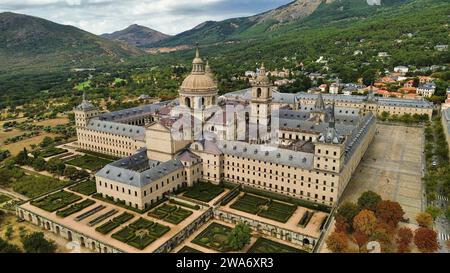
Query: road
x,y
442,225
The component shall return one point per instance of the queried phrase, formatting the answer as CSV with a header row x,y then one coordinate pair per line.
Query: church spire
x,y
332,122
320,104
197,64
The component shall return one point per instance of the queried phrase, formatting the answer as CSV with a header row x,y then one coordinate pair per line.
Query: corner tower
x,y
84,112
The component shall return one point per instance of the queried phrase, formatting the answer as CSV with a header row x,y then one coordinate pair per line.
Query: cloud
x,y
169,16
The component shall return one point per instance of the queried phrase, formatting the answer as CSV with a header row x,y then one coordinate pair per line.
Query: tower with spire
x,y
260,104
330,147
84,112
319,113
199,90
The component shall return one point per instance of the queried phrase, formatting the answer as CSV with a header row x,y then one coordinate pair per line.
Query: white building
x,y
426,90
401,69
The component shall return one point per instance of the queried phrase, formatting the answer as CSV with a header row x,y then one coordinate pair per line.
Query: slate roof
x,y
267,153
127,114
132,131
128,175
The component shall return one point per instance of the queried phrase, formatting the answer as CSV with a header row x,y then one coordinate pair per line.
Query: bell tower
x,y
261,99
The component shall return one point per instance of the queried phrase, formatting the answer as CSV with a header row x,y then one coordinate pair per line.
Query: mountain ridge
x,y
28,41
137,35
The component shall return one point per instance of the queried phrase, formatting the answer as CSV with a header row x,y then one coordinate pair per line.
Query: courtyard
x,y
392,167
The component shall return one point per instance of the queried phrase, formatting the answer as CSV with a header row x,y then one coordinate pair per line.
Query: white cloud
x,y
169,16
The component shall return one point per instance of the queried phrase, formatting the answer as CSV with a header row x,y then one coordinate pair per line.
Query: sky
x,y
167,16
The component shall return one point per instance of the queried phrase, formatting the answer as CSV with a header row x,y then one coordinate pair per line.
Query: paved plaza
x,y
392,167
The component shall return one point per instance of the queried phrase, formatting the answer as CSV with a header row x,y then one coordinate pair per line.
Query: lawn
x,y
52,151
263,245
215,236
264,207
4,198
141,233
87,188
75,208
203,191
33,185
170,213
56,201
89,162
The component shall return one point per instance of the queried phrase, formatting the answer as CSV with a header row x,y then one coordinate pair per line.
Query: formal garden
x,y
267,208
203,191
56,201
75,208
89,162
87,188
215,236
114,223
263,245
170,213
141,233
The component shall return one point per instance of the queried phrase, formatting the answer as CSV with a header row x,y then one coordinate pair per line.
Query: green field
x,y
33,184
263,245
89,162
86,188
203,191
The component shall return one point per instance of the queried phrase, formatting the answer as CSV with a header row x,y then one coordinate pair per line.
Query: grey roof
x,y
132,131
358,134
86,106
127,114
268,154
405,103
139,177
342,128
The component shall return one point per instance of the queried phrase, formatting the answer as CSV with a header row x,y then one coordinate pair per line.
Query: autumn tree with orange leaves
x,y
337,242
426,240
404,239
389,212
365,222
424,219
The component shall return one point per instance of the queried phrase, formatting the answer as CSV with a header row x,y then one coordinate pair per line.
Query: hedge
x,y
75,208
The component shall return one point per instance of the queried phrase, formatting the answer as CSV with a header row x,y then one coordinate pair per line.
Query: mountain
x,y
138,36
295,15
35,44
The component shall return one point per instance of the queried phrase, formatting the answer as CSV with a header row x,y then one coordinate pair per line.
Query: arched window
x,y
202,102
187,101
258,92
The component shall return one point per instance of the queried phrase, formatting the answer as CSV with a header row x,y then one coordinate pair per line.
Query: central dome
x,y
198,82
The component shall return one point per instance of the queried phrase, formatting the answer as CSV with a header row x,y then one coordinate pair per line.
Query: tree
x,y
47,141
6,247
341,224
9,232
337,242
426,240
365,222
434,211
239,236
404,239
360,239
39,164
424,219
36,243
369,200
22,157
348,211
389,212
